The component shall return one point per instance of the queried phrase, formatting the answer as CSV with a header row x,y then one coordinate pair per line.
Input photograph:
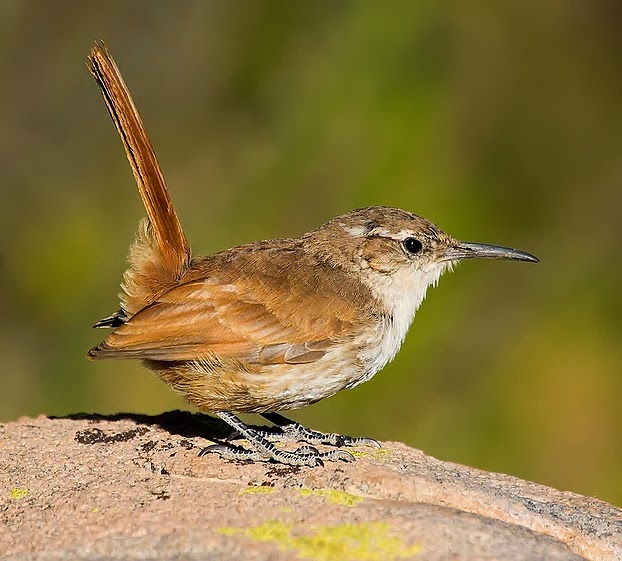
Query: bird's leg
x,y
295,432
264,450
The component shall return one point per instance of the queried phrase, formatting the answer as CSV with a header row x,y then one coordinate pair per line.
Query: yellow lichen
x,y
365,542
256,490
227,531
271,531
381,454
357,453
332,496
17,493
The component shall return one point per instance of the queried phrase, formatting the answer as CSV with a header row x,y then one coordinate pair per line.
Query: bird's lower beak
x,y
467,250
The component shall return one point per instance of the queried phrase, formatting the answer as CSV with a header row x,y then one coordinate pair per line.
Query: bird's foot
x,y
303,456
295,432
264,450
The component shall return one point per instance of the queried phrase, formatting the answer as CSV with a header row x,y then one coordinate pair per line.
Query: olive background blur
x,y
501,122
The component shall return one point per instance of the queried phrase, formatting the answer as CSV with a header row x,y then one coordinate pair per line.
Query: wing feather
x,y
194,322
230,307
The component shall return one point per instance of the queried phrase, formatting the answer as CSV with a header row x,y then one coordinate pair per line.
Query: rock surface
x,y
133,487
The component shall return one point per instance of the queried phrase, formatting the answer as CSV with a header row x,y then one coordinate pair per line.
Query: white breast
x,y
401,294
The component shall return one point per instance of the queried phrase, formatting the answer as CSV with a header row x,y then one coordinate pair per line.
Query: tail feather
x,y
161,253
115,320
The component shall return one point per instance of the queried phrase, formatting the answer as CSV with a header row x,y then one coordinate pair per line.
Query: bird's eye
x,y
412,245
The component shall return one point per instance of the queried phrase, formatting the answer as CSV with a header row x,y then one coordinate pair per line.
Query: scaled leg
x,y
295,432
265,450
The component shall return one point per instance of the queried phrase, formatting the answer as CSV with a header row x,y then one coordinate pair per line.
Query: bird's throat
x,y
400,295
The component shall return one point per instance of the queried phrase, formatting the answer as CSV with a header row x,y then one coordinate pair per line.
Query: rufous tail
x,y
161,253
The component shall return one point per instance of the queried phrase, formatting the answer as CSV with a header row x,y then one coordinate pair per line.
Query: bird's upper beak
x,y
468,250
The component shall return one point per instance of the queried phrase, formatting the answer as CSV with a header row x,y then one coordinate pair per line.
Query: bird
x,y
273,325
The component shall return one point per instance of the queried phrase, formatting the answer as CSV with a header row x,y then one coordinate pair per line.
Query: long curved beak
x,y
468,250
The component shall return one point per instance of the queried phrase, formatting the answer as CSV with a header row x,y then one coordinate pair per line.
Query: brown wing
x,y
296,322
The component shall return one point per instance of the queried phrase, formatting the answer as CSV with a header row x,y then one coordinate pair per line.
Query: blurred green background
x,y
499,121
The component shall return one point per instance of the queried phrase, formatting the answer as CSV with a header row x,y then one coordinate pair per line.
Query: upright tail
x,y
161,253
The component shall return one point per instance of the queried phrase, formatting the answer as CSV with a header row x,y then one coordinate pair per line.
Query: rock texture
x,y
133,487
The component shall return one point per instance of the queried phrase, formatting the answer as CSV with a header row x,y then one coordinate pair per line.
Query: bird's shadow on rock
x,y
181,423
